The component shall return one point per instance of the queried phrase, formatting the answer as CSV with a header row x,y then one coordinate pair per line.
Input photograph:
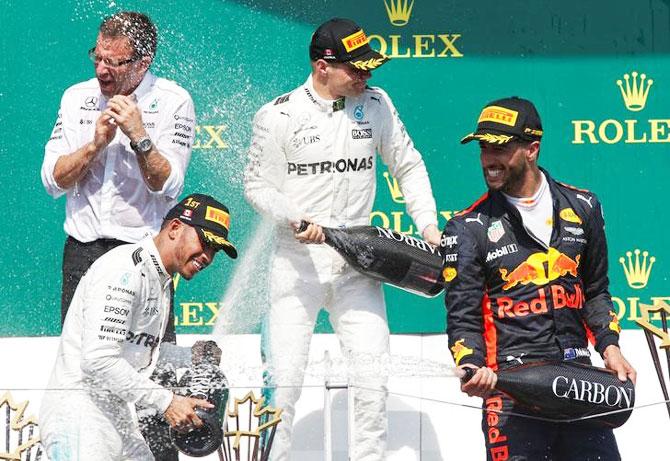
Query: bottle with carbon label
x,y
206,381
567,391
383,254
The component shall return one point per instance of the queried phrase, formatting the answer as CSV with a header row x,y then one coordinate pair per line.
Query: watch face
x,y
144,145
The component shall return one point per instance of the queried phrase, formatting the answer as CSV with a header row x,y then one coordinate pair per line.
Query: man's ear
x,y
175,228
533,151
145,63
321,67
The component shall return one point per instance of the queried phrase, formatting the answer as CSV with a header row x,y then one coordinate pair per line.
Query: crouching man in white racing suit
x,y
111,337
313,157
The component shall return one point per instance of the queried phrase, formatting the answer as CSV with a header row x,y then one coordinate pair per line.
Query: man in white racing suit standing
x,y
312,157
111,338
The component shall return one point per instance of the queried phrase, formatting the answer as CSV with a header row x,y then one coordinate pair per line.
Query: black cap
x,y
342,40
504,120
210,219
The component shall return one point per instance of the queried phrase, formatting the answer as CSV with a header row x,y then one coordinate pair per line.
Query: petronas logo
x,y
399,11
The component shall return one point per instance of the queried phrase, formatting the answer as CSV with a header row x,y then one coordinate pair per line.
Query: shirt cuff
x,y
162,400
424,220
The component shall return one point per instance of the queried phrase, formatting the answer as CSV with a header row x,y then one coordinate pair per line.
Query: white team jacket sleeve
x,y
406,165
111,299
61,142
175,141
266,168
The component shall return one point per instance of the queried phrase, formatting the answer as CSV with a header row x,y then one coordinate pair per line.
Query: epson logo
x,y
365,133
596,393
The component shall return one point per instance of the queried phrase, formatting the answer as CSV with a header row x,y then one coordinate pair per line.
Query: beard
x,y
513,180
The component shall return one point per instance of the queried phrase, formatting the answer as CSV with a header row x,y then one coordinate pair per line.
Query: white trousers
x,y
304,279
78,426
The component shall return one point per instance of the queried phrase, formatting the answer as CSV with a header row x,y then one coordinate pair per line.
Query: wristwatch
x,y
143,146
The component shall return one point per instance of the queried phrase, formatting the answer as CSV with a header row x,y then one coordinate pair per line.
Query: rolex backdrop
x,y
597,71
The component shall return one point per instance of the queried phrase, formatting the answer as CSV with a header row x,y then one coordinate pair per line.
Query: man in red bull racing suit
x,y
525,269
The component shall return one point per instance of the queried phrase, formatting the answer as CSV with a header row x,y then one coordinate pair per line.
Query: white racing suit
x,y
108,349
315,159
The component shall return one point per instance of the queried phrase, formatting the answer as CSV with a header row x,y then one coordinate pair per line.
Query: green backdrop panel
x,y
450,58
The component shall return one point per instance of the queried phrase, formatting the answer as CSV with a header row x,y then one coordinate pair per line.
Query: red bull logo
x,y
497,441
459,350
540,269
560,298
614,323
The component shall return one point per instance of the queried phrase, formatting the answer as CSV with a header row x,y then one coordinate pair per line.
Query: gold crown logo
x,y
637,272
394,188
19,431
398,11
635,93
250,419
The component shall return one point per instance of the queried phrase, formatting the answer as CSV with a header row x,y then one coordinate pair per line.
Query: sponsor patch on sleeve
x,y
449,274
459,351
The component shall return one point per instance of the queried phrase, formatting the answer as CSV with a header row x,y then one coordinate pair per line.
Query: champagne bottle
x,y
205,381
566,390
383,254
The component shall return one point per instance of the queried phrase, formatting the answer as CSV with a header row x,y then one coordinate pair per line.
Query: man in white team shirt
x,y
119,149
313,157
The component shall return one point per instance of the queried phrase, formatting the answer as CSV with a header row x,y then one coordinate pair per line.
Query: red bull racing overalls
x,y
511,299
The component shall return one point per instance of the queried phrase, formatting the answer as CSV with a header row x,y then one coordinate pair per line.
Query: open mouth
x,y
494,172
198,265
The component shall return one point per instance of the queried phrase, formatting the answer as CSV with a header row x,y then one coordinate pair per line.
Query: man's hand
x,y
481,384
127,116
105,131
615,361
432,234
205,351
313,234
180,414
